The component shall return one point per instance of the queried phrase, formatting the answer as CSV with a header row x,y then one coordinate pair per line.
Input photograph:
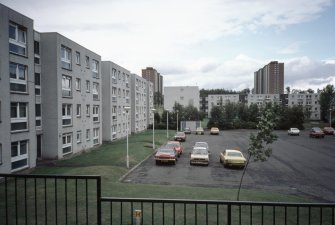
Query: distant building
x,y
261,99
184,95
269,79
221,100
309,102
151,74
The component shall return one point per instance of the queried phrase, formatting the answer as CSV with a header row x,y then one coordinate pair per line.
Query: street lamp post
x,y
153,128
167,124
127,108
177,120
330,117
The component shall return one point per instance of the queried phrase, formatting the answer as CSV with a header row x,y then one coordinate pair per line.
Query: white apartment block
x,y
261,99
18,128
116,96
141,104
220,100
71,90
310,103
184,95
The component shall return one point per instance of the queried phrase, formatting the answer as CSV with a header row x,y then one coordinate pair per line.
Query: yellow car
x,y
215,130
230,157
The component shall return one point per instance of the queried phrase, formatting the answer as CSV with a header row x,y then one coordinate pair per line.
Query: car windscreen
x,y
200,151
180,134
234,154
202,145
172,145
166,150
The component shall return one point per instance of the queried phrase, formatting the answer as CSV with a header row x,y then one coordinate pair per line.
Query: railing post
x,y
99,200
229,214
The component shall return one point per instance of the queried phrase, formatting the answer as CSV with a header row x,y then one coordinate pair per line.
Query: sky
x,y
207,43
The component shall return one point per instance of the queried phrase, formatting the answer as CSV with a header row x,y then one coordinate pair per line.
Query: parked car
x,y
316,132
166,154
215,130
328,130
201,144
293,131
200,130
180,136
199,156
177,146
187,130
230,157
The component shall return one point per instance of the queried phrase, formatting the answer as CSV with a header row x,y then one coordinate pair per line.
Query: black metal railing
x,y
77,200
176,211
49,200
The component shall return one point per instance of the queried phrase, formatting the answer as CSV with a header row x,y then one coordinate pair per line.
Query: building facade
x,y
309,102
18,131
151,75
116,96
71,90
269,79
184,95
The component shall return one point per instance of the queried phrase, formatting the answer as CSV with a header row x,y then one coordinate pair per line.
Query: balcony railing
x,y
47,199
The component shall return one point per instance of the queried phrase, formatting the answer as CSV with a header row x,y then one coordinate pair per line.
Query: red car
x,y
177,146
316,132
328,130
166,154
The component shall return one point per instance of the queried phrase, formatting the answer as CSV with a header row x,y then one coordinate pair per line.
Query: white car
x,y
293,131
199,156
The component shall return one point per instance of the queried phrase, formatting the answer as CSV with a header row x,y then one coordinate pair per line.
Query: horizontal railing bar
x,y
233,203
50,176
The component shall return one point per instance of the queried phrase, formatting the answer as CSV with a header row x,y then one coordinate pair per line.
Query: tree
x,y
216,119
259,147
288,90
327,101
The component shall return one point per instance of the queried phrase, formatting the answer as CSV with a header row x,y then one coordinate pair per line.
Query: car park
x,y
328,130
200,131
316,132
231,157
293,131
177,146
180,136
199,156
215,131
187,130
166,154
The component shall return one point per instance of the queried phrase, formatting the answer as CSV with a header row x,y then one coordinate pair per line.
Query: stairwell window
x,y
17,39
95,91
19,155
66,57
67,143
95,136
18,77
66,114
19,116
66,86
95,68
95,113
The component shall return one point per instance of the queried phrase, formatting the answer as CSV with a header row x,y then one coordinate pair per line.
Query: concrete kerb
x,y
133,168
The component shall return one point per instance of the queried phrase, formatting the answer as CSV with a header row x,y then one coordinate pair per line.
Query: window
x,y
38,115
66,115
87,61
19,116
67,143
78,58
95,136
66,57
78,110
88,88
88,110
78,84
95,68
18,77
37,52
95,91
19,155
66,86
17,39
95,113
88,135
78,136
0,153
37,84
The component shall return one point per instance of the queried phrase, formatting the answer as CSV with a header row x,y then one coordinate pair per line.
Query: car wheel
x,y
157,162
220,160
174,162
190,163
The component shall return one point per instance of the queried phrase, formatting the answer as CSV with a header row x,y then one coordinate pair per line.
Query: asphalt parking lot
x,y
299,165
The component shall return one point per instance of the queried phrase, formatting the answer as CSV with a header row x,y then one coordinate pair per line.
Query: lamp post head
x,y
126,108
153,109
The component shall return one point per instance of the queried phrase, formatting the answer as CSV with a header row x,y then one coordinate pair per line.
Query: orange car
x,y
177,146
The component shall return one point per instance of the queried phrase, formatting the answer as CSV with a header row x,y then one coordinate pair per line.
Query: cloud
x,y
291,48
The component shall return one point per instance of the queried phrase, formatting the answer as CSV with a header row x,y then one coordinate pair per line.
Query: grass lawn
x,y
109,161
